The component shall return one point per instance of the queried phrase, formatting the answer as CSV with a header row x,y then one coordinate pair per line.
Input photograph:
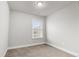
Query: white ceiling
x,y
27,6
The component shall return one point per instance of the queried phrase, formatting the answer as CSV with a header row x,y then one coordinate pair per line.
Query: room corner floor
x,y
37,51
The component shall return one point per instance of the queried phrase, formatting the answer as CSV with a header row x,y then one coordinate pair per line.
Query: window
x,y
37,29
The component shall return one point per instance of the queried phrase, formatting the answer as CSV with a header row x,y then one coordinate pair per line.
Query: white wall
x,y
20,33
4,24
63,28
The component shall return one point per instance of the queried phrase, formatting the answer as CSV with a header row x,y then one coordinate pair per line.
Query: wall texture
x,y
63,28
20,33
4,25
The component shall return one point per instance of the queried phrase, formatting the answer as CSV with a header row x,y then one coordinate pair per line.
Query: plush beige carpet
x,y
37,51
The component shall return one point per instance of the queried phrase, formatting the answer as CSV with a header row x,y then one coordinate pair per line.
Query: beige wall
x,y
20,33
4,25
63,28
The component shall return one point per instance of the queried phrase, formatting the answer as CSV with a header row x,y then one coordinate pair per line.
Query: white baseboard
x,y
34,44
5,53
65,50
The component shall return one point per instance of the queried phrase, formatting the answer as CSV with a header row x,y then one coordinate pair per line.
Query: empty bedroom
x,y
39,28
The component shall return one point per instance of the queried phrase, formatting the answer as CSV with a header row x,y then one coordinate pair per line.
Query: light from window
x,y
37,29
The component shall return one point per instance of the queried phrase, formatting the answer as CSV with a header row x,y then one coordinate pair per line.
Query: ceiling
x,y
27,7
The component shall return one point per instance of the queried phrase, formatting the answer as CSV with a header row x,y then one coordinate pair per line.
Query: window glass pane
x,y
37,29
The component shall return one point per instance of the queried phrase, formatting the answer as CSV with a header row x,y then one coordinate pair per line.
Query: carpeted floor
x,y
37,51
